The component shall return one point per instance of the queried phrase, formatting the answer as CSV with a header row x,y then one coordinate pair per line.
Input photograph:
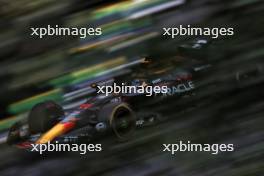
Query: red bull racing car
x,y
115,113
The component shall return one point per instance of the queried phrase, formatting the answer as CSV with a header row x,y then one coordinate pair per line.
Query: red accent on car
x,y
68,125
85,106
184,77
24,145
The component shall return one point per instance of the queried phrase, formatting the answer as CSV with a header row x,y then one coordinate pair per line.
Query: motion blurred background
x,y
60,68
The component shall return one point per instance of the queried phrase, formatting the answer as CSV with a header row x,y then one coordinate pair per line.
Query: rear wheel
x,y
121,119
43,116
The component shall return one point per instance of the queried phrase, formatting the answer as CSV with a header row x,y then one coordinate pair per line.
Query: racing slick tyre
x,y
120,118
43,116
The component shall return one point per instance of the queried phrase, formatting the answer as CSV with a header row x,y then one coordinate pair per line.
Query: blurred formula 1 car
x,y
119,114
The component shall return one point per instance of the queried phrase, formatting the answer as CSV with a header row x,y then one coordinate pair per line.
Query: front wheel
x,y
43,116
